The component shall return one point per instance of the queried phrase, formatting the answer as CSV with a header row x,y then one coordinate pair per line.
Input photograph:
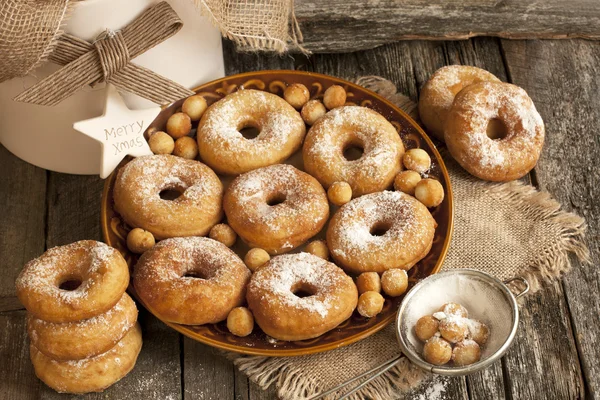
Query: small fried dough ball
x,y
179,125
161,143
297,95
312,111
194,107
417,160
406,181
224,234
479,332
186,147
465,353
370,304
454,329
454,309
139,240
240,321
334,96
429,192
437,351
339,193
318,248
426,327
394,282
256,258
368,282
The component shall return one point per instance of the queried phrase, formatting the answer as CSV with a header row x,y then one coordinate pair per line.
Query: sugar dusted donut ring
x,y
100,270
139,185
276,208
180,272
380,231
353,127
89,374
438,94
494,131
300,296
224,148
86,338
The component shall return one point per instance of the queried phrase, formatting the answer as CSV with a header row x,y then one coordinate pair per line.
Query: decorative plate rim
x,y
104,223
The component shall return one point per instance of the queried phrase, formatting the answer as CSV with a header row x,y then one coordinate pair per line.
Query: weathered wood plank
x,y
206,374
351,25
237,62
562,79
23,200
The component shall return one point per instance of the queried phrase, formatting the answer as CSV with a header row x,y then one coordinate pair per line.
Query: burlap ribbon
x,y
108,60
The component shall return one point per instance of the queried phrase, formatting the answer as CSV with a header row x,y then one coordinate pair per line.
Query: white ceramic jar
x,y
44,136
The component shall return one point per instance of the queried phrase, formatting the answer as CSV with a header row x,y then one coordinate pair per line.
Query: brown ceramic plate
x,y
357,327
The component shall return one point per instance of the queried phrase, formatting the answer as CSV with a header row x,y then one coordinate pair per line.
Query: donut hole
x,y
496,129
195,275
249,130
380,228
353,151
171,192
70,284
303,290
275,199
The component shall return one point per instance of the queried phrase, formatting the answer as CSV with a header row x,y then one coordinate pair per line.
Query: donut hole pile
x,y
82,325
353,152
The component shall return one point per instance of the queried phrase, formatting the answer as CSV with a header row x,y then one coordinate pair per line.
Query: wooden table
x,y
556,352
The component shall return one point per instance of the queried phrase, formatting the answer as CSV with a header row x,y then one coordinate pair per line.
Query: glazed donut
x,y
137,196
89,374
273,296
226,150
437,95
276,208
191,281
380,231
101,270
353,127
86,338
519,140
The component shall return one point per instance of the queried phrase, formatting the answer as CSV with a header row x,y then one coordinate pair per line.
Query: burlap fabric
x,y
508,229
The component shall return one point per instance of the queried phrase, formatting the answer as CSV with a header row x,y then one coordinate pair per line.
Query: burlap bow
x,y
108,60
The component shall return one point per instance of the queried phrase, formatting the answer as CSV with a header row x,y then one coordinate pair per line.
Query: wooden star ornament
x,y
119,130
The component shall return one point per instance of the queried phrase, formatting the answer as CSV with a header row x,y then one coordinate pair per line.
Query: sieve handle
x,y
523,282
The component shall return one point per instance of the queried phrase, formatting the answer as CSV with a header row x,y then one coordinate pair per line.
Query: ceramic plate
x,y
356,328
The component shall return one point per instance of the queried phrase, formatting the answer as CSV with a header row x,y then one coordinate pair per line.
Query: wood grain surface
x,y
350,25
555,353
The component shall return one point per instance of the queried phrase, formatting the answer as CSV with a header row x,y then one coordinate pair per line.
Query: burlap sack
x,y
508,229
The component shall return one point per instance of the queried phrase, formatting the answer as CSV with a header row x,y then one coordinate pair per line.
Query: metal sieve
x,y
486,298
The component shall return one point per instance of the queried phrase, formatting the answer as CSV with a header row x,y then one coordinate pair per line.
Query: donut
x,y
89,374
276,208
353,127
494,131
300,296
138,188
437,95
380,231
86,338
101,273
191,281
223,147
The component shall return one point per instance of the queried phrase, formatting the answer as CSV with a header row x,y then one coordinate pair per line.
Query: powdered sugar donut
x,y
223,147
89,374
191,281
98,271
380,231
437,95
86,338
494,131
300,296
276,208
353,127
138,188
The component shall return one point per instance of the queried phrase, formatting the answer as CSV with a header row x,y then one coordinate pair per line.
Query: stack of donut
x,y
492,129
82,326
